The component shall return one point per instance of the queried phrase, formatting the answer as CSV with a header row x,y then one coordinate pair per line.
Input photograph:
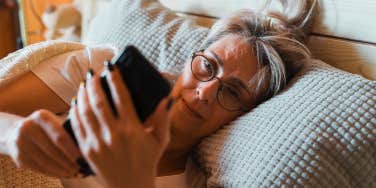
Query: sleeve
x,y
64,72
22,61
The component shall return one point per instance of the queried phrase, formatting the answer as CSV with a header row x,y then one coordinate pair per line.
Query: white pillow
x,y
319,132
166,39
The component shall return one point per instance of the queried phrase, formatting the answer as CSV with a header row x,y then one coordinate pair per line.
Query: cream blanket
x,y
23,60
11,67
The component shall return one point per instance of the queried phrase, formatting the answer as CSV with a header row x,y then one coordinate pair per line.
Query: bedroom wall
x,y
32,27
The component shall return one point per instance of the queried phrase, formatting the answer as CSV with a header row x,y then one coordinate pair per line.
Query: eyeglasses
x,y
204,70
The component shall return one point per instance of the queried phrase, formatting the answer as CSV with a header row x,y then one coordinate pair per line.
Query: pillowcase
x,y
166,39
319,132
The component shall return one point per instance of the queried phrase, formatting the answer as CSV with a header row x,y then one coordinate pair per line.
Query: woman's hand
x,y
40,143
120,149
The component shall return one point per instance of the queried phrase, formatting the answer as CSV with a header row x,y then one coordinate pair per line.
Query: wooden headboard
x,y
344,34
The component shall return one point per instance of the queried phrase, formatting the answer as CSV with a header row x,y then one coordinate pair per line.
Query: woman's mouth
x,y
191,111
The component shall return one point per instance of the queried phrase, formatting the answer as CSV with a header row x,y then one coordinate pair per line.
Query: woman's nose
x,y
207,91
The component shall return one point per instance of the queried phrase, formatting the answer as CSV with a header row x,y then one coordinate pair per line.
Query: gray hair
x,y
278,39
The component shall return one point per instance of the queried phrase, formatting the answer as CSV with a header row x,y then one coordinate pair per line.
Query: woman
x,y
246,59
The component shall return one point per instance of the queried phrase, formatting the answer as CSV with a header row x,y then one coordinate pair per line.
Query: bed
x,y
323,137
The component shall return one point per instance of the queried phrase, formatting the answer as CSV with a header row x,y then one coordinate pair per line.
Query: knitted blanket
x,y
23,60
11,67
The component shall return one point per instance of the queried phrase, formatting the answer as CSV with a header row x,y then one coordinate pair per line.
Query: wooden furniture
x,y
8,37
343,36
31,24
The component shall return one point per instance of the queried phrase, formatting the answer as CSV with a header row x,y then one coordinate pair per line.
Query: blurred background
x,y
25,22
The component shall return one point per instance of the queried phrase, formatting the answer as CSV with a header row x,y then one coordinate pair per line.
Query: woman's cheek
x,y
187,78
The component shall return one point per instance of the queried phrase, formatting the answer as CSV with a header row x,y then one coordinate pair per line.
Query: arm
x,y
27,94
38,141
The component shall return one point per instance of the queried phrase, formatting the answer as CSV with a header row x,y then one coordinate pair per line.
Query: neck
x,y
172,162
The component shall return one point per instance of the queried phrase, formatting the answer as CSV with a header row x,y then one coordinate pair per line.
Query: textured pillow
x,y
166,39
319,132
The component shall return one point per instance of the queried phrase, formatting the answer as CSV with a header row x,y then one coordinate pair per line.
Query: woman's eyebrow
x,y
235,80
239,83
216,57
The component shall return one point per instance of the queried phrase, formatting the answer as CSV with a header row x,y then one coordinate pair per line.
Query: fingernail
x,y
169,103
78,175
89,74
74,101
83,84
109,66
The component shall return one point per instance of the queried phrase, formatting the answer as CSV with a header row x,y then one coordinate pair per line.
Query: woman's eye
x,y
207,65
233,93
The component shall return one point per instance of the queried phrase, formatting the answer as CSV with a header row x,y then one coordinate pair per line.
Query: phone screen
x,y
146,85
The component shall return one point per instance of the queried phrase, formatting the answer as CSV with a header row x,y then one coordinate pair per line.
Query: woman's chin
x,y
182,116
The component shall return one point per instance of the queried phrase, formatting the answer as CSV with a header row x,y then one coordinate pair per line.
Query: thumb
x,y
161,130
53,128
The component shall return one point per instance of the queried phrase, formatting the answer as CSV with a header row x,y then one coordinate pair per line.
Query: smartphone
x,y
146,85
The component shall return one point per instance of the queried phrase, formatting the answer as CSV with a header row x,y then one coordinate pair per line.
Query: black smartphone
x,y
146,85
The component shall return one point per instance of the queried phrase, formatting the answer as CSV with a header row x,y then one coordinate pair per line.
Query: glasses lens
x,y
229,98
202,68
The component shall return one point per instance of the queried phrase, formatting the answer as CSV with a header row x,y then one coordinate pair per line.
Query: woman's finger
x,y
78,129
161,121
40,161
50,151
51,125
99,104
87,116
30,163
122,98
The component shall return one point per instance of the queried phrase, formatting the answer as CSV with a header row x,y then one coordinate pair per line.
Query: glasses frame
x,y
213,76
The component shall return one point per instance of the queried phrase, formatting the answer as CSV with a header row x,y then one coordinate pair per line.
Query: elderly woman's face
x,y
203,107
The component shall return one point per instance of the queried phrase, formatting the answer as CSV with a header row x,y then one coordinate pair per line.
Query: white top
x,y
178,180
191,178
64,72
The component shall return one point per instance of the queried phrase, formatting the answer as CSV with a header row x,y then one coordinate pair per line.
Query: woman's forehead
x,y
230,47
236,55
